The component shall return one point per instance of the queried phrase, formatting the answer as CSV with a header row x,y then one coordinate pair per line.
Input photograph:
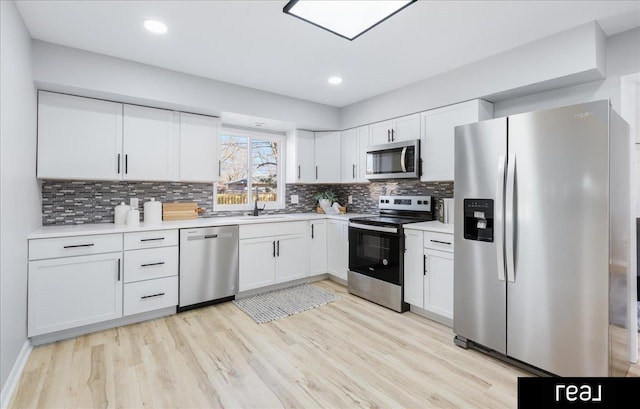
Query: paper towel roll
x,y
152,211
120,213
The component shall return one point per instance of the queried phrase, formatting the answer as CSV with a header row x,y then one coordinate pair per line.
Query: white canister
x,y
152,211
120,213
133,217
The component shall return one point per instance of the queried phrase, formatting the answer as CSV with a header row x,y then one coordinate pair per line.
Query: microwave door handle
x,y
499,216
403,160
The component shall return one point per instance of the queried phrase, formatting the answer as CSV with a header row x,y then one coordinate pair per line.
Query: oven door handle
x,y
374,228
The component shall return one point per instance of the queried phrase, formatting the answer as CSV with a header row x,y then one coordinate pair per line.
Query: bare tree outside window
x,y
248,164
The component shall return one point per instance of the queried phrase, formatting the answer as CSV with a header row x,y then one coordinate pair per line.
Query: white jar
x,y
133,218
120,213
152,211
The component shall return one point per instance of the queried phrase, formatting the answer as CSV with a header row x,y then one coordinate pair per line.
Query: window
x,y
250,168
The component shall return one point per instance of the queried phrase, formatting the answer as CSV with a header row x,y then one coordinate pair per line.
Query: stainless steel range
x,y
376,249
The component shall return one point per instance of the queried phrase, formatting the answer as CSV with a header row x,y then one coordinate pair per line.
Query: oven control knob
x,y
385,262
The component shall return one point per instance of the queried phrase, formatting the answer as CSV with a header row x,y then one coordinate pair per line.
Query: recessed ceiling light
x,y
335,80
348,19
155,26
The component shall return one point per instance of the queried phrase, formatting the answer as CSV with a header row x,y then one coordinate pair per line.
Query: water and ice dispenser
x,y
478,219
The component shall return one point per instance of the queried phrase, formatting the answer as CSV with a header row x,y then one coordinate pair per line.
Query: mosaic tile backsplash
x,y
81,202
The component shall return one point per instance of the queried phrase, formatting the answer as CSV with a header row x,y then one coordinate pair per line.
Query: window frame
x,y
251,135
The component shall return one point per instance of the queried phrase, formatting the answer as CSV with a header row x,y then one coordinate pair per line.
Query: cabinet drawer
x,y
74,246
150,239
438,241
150,295
147,264
250,231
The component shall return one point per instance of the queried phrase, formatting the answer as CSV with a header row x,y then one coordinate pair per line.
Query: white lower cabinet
x,y
150,271
272,253
149,295
338,248
414,276
70,292
257,263
317,247
428,271
438,282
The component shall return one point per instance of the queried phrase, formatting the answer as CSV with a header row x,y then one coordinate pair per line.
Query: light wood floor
x,y
350,353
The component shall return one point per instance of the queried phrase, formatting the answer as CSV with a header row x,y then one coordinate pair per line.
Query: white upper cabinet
x,y
149,138
78,138
327,157
300,157
199,137
90,139
399,129
349,151
354,144
438,130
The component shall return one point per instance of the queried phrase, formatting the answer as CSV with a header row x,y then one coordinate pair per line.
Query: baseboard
x,y
432,316
14,376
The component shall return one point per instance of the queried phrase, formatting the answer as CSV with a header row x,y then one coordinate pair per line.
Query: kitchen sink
x,y
264,218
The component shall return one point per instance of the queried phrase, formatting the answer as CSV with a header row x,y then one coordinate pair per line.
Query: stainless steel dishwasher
x,y
208,266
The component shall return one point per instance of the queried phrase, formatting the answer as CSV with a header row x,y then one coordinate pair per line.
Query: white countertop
x,y
106,228
433,225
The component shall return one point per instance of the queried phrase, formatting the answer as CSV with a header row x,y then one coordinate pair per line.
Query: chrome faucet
x,y
256,209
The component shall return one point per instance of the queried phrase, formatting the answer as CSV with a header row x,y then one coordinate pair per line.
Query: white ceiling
x,y
253,43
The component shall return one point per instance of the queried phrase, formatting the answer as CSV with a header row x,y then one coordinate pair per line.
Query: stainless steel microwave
x,y
396,160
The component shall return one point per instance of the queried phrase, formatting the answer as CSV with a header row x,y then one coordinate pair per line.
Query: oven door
x,y
375,252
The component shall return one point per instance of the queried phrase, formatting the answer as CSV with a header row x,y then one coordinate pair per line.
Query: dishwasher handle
x,y
210,236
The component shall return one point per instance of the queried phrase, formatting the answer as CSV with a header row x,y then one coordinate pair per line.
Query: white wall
x,y
567,58
622,58
19,190
60,68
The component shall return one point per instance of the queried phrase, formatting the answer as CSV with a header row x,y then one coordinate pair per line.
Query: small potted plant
x,y
325,198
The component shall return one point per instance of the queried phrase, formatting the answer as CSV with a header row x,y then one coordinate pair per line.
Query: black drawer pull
x,y
155,239
441,242
151,296
152,264
78,245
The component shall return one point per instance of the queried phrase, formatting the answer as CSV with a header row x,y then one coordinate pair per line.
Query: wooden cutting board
x,y
180,211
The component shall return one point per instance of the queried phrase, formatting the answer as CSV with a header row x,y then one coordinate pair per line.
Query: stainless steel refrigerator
x,y
542,239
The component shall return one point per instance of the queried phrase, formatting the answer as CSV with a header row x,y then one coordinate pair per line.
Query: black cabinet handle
x,y
312,231
118,269
441,242
274,248
126,164
118,164
151,296
219,168
78,245
298,171
353,170
424,265
392,135
152,264
278,249
154,239
388,135
316,172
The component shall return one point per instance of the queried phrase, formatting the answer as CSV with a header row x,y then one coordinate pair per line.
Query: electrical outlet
x,y
294,199
350,199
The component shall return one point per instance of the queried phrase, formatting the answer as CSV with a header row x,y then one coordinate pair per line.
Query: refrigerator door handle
x,y
499,216
509,222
